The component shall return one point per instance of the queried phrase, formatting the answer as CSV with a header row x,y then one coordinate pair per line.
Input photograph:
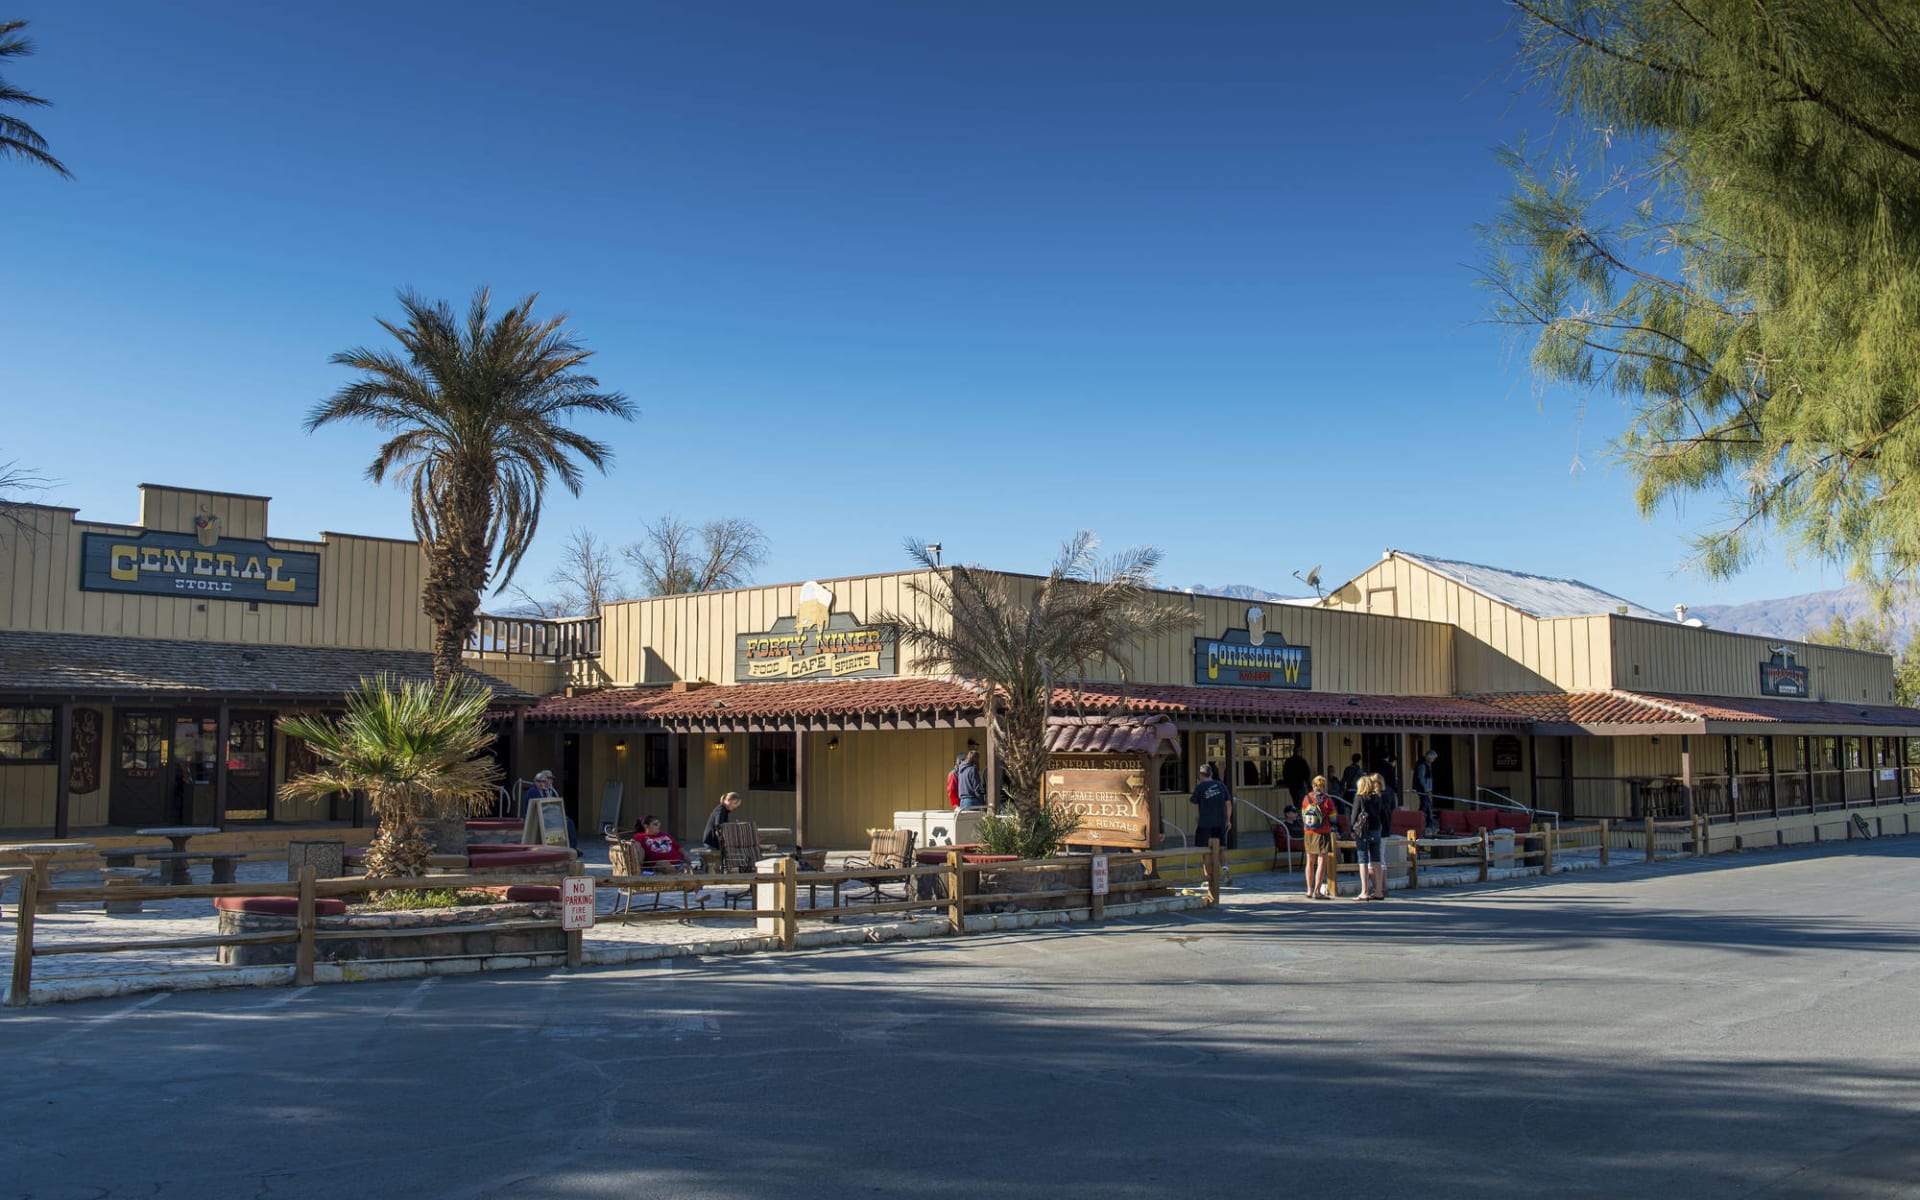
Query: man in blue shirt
x,y
973,793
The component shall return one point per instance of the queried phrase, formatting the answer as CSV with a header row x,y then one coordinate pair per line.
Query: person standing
x,y
973,793
1423,784
1350,778
1295,774
1319,817
1371,816
721,814
953,782
1213,806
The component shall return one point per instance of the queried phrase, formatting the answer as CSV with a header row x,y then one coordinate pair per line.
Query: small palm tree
x,y
1021,638
17,138
475,410
414,749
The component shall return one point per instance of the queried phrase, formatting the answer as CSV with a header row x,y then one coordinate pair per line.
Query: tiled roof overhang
x,y
1112,735
53,666
1193,705
1622,713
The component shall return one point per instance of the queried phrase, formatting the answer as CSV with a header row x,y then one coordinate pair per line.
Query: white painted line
x,y
95,1023
413,998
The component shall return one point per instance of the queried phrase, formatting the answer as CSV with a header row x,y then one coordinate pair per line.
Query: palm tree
x,y
17,138
475,414
414,749
1020,638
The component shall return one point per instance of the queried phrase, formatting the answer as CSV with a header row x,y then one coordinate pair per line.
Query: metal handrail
x,y
1504,802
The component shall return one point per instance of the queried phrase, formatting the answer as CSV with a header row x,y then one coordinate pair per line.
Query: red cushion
x,y
1510,820
526,893
1452,823
1408,821
1479,819
496,823
284,905
516,856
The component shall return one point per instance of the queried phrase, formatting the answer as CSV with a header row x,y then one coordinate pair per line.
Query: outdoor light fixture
x,y
719,743
1654,741
833,743
620,744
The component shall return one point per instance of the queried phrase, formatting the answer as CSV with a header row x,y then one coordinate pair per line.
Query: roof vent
x,y
1680,613
1621,609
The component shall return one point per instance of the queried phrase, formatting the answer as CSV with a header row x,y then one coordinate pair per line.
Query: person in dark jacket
x,y
1371,816
973,793
1296,775
1213,805
721,814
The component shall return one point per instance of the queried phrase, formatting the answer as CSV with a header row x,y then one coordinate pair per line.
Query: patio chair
x,y
629,859
740,850
890,850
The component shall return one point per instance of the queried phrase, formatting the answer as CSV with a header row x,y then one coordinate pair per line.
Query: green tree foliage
x,y
1024,639
1906,674
415,750
1730,242
1864,633
476,413
17,138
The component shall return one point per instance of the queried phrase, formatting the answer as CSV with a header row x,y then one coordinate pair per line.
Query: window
x,y
657,761
770,762
247,745
1173,774
143,745
26,735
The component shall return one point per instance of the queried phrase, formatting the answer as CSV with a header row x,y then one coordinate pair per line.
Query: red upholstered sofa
x,y
1472,821
287,906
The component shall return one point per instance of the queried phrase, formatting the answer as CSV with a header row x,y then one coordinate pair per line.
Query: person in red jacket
x,y
953,783
661,848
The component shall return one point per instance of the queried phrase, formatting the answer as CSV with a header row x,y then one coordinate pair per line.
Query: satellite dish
x,y
1312,580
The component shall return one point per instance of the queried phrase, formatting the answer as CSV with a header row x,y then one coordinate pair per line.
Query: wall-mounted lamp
x,y
1346,741
620,745
1654,740
833,743
719,743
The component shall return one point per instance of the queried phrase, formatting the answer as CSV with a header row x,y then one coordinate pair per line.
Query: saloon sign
x,y
1252,657
814,643
1109,792
1781,675
180,564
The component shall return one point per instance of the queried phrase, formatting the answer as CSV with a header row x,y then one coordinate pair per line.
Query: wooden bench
x,y
223,863
123,856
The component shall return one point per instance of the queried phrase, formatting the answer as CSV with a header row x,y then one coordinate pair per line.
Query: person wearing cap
x,y
1214,809
1423,785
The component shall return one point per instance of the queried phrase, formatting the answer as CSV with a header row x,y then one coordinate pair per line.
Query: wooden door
x,y
250,766
142,770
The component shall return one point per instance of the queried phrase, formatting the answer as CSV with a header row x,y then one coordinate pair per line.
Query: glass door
x,y
195,742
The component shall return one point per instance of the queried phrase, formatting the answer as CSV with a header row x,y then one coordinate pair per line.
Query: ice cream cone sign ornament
x,y
206,526
816,605
1256,625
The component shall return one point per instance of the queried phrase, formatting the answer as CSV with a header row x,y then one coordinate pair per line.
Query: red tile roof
x,y
1277,705
1112,735
750,701
1639,708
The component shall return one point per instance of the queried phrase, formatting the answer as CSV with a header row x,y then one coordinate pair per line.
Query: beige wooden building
x,y
155,658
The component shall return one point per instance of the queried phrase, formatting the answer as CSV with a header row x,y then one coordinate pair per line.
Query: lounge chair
x,y
890,850
740,855
629,859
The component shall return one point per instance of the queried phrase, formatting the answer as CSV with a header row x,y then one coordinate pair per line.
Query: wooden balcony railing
x,y
560,640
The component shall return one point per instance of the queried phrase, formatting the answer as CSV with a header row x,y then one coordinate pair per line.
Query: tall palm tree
x,y
414,749
475,410
17,138
1023,638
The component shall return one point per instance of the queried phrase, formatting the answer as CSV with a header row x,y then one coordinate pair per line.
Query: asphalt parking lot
x,y
1739,1026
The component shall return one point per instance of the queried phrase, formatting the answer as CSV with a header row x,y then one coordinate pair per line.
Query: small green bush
x,y
406,900
1038,834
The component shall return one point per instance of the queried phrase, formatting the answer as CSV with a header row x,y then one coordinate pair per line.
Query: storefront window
x,y
247,745
143,745
1256,767
26,735
770,762
1173,774
656,776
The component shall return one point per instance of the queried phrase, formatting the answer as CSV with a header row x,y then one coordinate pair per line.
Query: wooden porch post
x,y
799,786
1566,775
1321,739
1873,769
517,747
223,723
1232,767
63,765
1773,777
1153,801
1806,742
1473,766
1686,771
673,784
1733,778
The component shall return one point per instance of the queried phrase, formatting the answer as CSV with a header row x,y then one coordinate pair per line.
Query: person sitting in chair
x,y
661,848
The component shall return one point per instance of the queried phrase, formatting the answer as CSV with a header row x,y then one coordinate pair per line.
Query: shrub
x,y
1038,833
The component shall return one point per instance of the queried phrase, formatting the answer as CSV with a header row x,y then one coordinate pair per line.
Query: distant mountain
x,y
1796,616
1236,591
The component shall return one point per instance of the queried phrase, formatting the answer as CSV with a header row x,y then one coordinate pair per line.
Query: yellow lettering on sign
x,y
227,562
203,562
127,555
274,582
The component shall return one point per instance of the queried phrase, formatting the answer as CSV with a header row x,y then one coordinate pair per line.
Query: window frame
x,y
17,718
772,761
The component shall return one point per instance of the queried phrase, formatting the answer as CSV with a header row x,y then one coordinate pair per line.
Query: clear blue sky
x,y
1195,274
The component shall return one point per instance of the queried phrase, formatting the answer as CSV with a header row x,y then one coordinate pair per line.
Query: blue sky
x,y
1197,275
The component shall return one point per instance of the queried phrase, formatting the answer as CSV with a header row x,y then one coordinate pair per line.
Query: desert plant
x,y
414,749
1022,638
1036,832
412,899
475,410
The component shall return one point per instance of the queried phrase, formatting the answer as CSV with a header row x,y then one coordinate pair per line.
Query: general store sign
x,y
1781,675
1252,657
180,564
1109,792
814,643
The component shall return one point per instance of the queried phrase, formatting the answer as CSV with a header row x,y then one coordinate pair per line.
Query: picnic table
x,y
179,835
39,854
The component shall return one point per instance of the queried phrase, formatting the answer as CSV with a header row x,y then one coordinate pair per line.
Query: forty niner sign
x,y
814,643
177,564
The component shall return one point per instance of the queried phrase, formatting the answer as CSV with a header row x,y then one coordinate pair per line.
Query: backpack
x,y
1313,817
1362,820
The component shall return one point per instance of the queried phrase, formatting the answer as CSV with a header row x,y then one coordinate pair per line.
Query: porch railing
x,y
542,640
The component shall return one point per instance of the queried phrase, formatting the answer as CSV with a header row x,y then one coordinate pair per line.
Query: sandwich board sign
x,y
576,902
546,823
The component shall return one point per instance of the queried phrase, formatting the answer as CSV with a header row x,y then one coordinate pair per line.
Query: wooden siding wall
x,y
1655,656
369,587
851,789
1503,649
668,638
1351,652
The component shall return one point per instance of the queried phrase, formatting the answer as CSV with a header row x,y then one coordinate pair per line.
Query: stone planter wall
x,y
442,932
1070,871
